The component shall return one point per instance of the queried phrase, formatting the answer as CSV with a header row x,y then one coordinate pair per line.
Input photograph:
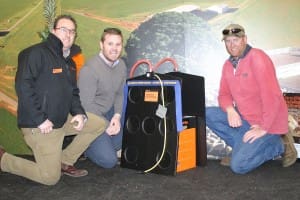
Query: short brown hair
x,y
69,17
112,31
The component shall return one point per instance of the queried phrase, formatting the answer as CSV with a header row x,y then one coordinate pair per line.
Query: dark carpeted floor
x,y
212,182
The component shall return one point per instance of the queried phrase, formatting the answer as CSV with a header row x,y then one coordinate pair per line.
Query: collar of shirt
x,y
234,61
66,53
109,63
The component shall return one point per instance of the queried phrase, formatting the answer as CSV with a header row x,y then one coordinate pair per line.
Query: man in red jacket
x,y
253,116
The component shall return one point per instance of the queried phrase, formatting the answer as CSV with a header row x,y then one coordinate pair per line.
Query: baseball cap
x,y
233,30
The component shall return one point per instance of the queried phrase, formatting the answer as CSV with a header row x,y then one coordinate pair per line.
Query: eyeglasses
x,y
232,31
66,30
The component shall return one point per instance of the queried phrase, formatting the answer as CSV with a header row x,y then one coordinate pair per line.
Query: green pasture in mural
x,y
10,136
12,11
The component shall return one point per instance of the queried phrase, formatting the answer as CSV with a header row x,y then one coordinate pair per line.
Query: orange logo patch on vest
x,y
57,70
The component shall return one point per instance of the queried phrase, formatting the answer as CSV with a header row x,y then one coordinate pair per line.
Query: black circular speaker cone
x,y
133,124
131,154
149,125
135,95
170,126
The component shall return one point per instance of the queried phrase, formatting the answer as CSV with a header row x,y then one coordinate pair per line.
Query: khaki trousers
x,y
47,150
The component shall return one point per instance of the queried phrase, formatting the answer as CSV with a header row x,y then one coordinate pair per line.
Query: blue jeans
x,y
245,156
103,150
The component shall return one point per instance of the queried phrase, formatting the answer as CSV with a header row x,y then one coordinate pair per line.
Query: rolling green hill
x,y
10,136
24,34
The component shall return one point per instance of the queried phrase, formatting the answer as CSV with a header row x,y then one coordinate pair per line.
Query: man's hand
x,y
78,121
254,133
114,125
46,126
233,117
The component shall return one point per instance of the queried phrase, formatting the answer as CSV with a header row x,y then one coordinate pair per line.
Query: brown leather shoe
x,y
2,151
289,156
225,161
72,171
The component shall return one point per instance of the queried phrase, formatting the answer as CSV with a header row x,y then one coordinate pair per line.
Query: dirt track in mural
x,y
8,103
24,17
125,24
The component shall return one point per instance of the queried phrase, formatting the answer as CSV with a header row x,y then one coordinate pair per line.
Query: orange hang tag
x,y
151,96
57,70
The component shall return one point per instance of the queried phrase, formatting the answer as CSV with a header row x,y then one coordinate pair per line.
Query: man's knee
x,y
105,160
210,114
238,170
210,111
95,124
239,166
213,110
50,177
109,163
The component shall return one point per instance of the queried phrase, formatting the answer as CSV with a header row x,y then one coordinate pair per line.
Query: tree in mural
x,y
49,14
184,37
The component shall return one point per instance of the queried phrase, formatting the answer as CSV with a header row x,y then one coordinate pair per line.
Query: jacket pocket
x,y
45,102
